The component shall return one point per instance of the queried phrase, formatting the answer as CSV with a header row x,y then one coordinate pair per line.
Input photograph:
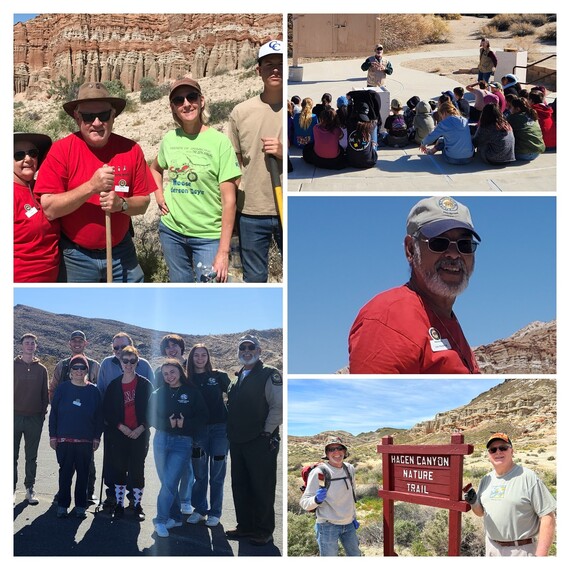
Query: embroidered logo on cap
x,y
448,205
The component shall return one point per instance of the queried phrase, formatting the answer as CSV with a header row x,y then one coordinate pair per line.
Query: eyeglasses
x,y
336,448
21,154
379,49
120,347
103,116
494,450
250,347
129,360
191,97
79,367
440,244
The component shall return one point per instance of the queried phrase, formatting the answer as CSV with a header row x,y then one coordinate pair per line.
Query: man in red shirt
x,y
412,329
87,174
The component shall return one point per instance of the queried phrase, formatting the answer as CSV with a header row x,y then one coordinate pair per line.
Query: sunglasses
x,y
440,244
250,347
21,154
379,49
129,360
493,450
103,116
120,347
336,448
79,367
191,97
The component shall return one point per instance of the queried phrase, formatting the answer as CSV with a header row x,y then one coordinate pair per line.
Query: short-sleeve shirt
x,y
196,166
514,504
71,162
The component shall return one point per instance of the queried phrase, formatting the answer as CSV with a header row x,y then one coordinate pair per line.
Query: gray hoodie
x,y
423,121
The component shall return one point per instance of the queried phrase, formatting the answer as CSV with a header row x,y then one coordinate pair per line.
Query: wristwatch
x,y
125,205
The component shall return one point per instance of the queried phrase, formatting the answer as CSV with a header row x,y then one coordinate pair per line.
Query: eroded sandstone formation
x,y
129,47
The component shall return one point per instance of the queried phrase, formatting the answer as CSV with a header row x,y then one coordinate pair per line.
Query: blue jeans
x,y
210,454
329,534
452,160
82,265
171,455
183,253
255,235
527,156
484,76
186,483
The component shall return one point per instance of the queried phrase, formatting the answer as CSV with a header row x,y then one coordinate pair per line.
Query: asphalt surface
x,y
407,169
37,531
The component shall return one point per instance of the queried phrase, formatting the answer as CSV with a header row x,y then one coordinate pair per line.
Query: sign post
x,y
429,475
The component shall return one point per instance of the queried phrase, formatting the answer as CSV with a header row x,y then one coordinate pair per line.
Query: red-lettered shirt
x,y
71,162
129,391
396,333
36,250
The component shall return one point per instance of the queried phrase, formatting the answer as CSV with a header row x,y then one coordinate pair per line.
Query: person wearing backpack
x,y
395,125
330,493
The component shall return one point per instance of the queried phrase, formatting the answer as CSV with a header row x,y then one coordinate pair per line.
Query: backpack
x,y
398,127
325,476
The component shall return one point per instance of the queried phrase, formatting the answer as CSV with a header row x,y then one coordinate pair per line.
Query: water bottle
x,y
207,273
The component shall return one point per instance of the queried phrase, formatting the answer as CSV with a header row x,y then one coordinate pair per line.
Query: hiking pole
x,y
109,247
276,183
99,507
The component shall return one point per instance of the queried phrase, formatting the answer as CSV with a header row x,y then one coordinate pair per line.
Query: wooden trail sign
x,y
429,475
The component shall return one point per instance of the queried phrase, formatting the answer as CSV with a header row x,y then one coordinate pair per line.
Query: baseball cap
x,y
499,435
437,215
77,334
270,48
188,82
249,338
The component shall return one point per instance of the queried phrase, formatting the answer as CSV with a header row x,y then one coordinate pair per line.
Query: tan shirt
x,y
249,122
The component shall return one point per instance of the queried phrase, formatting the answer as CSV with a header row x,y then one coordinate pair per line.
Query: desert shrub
x,y
220,71
61,126
503,21
489,31
522,29
250,63
18,104
220,110
401,31
418,549
449,16
301,538
149,251
536,20
405,532
34,116
23,125
549,33
63,89
550,458
251,72
149,90
116,88
371,534
438,31
275,264
366,490
132,106
250,93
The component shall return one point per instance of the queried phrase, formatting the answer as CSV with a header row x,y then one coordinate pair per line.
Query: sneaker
x,y
92,499
212,521
139,513
118,512
161,530
186,508
61,513
80,512
31,496
171,523
195,518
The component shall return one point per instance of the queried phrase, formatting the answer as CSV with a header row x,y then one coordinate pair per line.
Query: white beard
x,y
250,362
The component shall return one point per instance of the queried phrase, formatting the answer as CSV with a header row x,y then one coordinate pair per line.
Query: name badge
x,y
121,186
30,211
77,402
440,344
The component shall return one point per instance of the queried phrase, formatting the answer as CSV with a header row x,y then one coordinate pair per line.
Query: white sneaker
x,y
212,521
31,496
171,523
186,508
161,530
196,517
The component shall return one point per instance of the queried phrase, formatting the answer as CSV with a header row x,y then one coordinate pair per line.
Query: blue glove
x,y
355,523
321,495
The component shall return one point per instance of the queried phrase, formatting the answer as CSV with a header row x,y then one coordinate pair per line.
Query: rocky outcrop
x,y
129,47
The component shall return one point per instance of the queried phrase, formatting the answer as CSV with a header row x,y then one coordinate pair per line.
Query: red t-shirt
x,y
396,332
71,162
327,142
36,250
129,391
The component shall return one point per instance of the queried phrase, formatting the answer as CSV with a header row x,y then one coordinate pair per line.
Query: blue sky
x,y
344,250
358,406
185,310
23,17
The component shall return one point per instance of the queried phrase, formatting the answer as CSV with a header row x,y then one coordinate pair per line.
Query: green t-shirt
x,y
514,504
196,165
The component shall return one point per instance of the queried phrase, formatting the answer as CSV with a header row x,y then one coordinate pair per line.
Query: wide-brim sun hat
x,y
94,91
40,141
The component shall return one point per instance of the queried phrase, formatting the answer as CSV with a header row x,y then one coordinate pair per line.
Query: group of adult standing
x,y
198,415
94,178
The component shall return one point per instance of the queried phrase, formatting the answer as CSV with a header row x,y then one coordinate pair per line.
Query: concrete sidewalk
x,y
407,169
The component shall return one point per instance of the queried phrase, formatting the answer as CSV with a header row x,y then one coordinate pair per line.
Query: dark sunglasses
x,y
120,347
250,347
21,154
379,49
191,97
335,448
493,450
79,367
103,116
129,360
440,244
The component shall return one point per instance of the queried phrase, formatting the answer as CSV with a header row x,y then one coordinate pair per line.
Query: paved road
x,y
37,531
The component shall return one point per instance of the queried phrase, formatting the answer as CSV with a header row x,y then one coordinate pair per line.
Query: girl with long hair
x,y
494,137
304,123
529,143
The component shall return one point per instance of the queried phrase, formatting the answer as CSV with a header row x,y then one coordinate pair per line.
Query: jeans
x,y
73,458
183,253
82,265
210,457
484,76
255,235
186,483
527,156
171,456
329,534
452,160
31,428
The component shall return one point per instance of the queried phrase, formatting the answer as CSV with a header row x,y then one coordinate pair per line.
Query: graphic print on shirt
x,y
498,492
357,142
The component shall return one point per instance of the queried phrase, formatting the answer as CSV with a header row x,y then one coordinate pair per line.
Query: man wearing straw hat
x,y
89,175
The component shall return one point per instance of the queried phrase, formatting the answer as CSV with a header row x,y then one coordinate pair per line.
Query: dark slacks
x,y
73,458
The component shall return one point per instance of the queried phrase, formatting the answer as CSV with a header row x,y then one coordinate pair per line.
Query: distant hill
x,y
53,332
